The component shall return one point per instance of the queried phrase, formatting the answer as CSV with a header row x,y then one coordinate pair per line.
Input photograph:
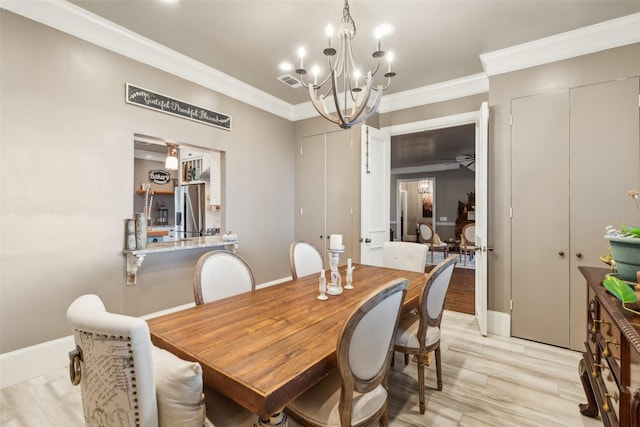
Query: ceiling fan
x,y
466,160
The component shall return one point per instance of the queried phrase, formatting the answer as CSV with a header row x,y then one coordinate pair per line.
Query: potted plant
x,y
625,247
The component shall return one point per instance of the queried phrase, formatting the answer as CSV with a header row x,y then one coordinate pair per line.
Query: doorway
x,y
478,121
416,204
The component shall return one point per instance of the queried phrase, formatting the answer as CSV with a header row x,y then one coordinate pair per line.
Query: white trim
x,y
499,323
69,18
29,362
443,91
594,38
425,168
36,360
74,20
40,359
432,124
274,282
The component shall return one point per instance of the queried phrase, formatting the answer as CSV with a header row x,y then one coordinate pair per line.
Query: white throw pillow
x,y
178,390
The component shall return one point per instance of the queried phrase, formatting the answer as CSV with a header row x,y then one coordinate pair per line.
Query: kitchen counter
x,y
136,257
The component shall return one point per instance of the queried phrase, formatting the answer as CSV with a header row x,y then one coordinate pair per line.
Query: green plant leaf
x,y
620,290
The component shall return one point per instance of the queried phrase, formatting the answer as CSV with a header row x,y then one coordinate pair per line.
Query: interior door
x,y
605,164
375,171
482,144
343,194
540,218
310,197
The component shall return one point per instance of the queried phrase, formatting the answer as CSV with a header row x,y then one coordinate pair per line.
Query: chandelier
x,y
424,187
354,94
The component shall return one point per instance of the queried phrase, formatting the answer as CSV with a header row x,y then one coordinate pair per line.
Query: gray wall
x,y
588,69
67,173
452,187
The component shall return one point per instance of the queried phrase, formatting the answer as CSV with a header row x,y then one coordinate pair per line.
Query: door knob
x,y
561,253
579,255
490,248
367,240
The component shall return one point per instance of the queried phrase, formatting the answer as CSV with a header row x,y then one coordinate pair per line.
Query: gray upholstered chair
x,y
355,394
221,274
419,332
304,259
428,237
404,256
125,380
468,241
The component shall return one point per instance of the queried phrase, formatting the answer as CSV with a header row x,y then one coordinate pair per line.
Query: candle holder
x,y
349,277
335,287
322,287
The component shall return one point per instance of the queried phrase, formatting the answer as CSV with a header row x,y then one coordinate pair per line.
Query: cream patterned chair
x,y
404,256
304,259
126,381
428,237
221,274
355,394
468,241
419,332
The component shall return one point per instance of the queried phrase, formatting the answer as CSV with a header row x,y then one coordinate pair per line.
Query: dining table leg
x,y
279,420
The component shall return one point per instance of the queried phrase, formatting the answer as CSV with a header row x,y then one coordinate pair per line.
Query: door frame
x,y
440,123
399,202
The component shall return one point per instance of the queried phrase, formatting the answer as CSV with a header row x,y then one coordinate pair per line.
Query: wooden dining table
x,y
264,348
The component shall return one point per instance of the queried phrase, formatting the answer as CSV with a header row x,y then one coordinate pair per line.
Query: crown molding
x,y
594,38
71,19
443,91
74,20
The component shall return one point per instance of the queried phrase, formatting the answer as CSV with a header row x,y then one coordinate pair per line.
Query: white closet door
x,y
605,164
540,223
309,199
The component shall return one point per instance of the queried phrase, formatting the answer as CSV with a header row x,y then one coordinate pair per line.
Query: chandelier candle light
x,y
355,96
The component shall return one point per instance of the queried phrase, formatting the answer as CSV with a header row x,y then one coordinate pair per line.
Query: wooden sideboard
x,y
610,366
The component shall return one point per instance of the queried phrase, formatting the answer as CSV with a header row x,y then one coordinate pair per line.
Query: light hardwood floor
x,y
488,381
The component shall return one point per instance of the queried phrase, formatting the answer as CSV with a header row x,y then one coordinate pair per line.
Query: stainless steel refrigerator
x,y
190,210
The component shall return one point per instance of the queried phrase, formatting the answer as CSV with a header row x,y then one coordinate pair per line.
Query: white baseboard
x,y
499,323
36,360
30,362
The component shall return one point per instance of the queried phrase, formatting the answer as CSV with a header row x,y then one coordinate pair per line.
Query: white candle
x,y
349,263
335,241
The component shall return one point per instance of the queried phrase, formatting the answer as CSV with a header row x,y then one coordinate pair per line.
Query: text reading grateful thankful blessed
x,y
155,101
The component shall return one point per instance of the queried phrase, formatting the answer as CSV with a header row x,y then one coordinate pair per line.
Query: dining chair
x,y
355,394
304,259
418,332
429,238
404,256
468,241
126,380
220,274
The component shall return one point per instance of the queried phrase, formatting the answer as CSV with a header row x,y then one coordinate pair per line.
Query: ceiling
x,y
434,41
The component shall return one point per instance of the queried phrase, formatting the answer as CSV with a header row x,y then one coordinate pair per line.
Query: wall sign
x,y
155,101
159,176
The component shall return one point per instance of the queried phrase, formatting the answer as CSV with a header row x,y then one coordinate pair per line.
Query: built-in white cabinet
x,y
574,155
327,191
